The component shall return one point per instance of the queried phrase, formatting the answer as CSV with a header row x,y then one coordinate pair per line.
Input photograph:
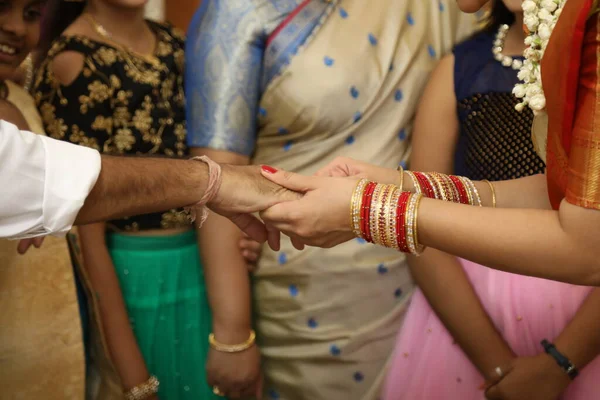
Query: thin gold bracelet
x,y
232,348
493,189
401,171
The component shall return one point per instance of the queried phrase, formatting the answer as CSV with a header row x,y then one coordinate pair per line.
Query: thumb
x,y
289,180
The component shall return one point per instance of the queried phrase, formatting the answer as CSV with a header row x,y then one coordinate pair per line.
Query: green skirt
x,y
165,293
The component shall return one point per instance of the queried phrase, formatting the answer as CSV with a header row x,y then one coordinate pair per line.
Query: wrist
x,y
553,371
230,333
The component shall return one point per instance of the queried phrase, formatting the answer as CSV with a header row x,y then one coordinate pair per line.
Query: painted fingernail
x,y
268,169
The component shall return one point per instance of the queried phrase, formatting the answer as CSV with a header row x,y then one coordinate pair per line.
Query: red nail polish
x,y
268,169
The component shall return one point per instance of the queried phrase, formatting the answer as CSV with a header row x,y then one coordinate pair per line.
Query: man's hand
x,y
530,378
25,244
245,191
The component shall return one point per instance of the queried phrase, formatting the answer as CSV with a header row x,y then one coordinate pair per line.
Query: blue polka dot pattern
x,y
273,394
354,92
282,131
402,134
350,139
398,95
442,7
372,39
293,290
357,116
335,350
358,377
382,269
287,146
343,13
312,323
398,293
262,112
391,67
410,19
431,51
403,164
328,61
361,240
282,259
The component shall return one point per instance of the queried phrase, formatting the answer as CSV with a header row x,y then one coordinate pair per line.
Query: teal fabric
x,y
164,289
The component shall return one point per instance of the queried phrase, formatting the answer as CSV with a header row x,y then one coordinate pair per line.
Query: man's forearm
x,y
130,186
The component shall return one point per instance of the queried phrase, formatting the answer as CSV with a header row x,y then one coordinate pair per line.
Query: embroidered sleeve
x,y
224,56
88,111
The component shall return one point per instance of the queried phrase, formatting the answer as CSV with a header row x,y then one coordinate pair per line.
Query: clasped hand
x,y
312,211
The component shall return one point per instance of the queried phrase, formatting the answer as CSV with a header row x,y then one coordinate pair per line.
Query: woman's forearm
x,y
446,286
227,280
580,340
121,341
563,246
225,270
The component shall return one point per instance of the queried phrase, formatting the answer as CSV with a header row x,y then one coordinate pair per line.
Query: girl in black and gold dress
x,y
114,82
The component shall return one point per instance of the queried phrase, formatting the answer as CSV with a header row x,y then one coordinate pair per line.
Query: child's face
x,y
19,32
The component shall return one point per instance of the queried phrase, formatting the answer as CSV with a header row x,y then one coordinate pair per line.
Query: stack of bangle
x,y
144,390
384,215
456,189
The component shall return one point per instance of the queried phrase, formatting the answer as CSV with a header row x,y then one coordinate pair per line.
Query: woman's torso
x,y
495,144
347,78
121,103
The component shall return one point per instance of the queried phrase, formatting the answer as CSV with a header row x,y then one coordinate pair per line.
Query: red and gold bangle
x,y
376,213
366,210
411,225
373,213
390,226
415,181
382,214
355,207
433,186
461,188
400,221
425,184
470,197
440,185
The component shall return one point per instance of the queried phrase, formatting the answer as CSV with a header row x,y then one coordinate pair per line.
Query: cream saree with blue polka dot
x,y
295,84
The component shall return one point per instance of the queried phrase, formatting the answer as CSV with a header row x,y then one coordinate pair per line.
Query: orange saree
x,y
571,77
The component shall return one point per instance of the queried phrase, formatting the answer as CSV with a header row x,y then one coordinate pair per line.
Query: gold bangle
x,y
439,183
401,171
232,348
491,185
390,217
415,182
355,206
418,246
143,390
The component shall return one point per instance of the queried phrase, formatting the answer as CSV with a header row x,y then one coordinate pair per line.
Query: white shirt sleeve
x,y
43,183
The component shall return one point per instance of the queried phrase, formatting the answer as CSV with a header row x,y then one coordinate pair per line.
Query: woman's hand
x,y
321,217
530,378
251,251
236,375
343,166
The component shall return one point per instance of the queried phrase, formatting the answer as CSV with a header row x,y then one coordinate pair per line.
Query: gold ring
x,y
218,392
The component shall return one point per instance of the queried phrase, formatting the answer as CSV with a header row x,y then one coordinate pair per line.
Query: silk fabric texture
x,y
326,319
41,344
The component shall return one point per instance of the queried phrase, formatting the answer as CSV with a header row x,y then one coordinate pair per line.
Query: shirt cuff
x,y
71,173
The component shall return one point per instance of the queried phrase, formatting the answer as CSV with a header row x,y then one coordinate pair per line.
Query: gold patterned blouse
x,y
121,103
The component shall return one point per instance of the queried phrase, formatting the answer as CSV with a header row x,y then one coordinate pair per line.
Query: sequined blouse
x,y
495,139
122,103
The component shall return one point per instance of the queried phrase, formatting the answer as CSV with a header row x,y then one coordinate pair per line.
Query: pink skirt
x,y
428,365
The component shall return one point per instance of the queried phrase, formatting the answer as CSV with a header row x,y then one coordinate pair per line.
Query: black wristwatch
x,y
562,361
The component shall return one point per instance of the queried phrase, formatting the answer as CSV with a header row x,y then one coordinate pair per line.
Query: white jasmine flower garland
x,y
540,17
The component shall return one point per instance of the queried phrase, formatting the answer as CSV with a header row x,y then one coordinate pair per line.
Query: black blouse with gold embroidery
x,y
121,103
